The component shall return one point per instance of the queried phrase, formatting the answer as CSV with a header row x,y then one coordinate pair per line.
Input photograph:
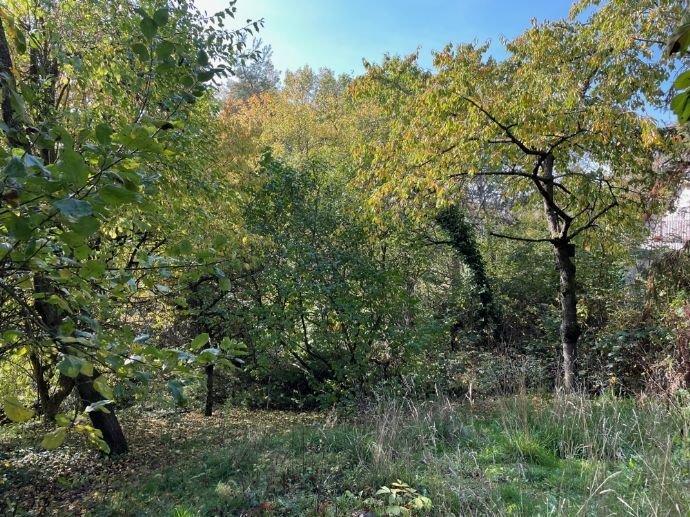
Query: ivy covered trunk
x,y
463,241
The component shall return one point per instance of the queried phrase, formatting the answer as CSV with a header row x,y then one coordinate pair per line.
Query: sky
x,y
337,34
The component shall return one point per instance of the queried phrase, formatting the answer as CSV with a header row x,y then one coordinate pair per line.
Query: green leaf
x,y
15,411
116,195
93,435
20,41
73,208
85,226
142,52
102,387
683,81
224,284
199,341
165,49
205,75
177,391
86,368
62,420
202,58
15,168
19,228
74,167
161,16
233,347
70,366
187,80
148,27
54,439
82,252
103,133
92,269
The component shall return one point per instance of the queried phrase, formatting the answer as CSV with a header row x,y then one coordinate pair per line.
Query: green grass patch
x,y
517,456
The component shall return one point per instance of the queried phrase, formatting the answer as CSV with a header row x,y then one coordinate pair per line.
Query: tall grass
x,y
523,455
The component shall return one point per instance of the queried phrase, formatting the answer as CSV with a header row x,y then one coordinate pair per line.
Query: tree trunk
x,y
565,251
49,405
570,330
107,423
45,69
7,85
209,390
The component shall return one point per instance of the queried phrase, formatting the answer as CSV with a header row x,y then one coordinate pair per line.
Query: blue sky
x,y
338,33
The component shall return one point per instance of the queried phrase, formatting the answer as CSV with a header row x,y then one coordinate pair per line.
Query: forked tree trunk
x,y
565,251
49,405
107,423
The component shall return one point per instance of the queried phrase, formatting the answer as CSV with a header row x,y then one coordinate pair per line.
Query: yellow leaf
x,y
15,411
101,386
54,439
86,369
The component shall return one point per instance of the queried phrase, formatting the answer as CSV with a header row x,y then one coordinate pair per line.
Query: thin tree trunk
x,y
7,85
209,390
564,250
107,423
49,405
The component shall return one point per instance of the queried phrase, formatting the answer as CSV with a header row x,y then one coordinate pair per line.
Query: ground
x,y
511,456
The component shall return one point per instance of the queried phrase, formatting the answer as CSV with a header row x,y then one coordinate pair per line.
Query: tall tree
x,y
560,120
254,77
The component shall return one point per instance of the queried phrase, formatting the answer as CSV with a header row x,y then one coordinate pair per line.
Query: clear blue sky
x,y
338,33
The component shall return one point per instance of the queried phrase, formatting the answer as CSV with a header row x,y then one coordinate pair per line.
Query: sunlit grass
x,y
514,456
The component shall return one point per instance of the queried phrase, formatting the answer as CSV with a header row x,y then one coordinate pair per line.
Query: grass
x,y
565,455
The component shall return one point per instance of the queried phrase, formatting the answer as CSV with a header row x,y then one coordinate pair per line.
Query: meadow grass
x,y
521,455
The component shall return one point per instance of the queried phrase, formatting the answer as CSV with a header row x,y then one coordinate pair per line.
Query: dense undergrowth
x,y
523,455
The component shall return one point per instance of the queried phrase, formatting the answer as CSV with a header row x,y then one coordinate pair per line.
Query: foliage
x,y
89,135
255,77
558,124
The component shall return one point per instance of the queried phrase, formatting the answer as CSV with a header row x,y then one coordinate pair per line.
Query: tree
x,y
255,77
559,120
96,102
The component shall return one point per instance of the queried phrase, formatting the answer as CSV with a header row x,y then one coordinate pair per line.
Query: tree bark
x,y
209,390
7,85
107,423
565,251
570,329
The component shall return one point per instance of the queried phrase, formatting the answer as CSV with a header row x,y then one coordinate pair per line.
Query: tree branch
x,y
522,239
505,128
